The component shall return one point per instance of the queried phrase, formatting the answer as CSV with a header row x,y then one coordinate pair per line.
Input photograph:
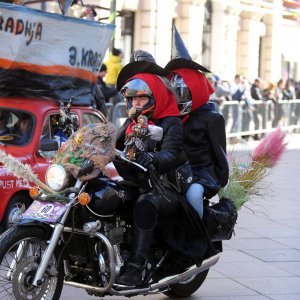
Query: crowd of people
x,y
254,105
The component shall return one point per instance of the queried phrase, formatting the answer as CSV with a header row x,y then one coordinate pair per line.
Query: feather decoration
x,y
21,170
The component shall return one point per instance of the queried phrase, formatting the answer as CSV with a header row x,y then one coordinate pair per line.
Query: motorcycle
x,y
75,232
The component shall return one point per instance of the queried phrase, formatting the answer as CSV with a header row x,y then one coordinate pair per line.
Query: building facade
x,y
256,38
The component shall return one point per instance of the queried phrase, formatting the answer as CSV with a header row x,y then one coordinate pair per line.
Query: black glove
x,y
144,159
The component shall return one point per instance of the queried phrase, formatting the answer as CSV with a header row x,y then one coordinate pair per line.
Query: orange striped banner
x,y
49,70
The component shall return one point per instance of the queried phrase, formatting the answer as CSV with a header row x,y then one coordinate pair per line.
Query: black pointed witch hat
x,y
140,62
180,57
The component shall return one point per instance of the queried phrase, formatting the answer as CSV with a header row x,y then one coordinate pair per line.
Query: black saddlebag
x,y
220,219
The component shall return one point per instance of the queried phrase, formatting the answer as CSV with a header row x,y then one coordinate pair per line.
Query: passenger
x,y
204,128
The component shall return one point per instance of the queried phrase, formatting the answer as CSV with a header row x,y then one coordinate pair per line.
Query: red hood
x,y
198,84
165,102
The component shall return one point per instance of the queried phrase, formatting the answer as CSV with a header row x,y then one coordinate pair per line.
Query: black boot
x,y
137,262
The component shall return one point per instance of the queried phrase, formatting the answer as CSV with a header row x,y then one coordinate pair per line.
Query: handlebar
x,y
121,155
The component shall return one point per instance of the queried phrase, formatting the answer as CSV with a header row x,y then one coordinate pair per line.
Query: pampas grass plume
x,y
270,149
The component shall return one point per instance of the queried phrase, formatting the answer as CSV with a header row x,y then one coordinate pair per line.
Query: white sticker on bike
x,y
44,211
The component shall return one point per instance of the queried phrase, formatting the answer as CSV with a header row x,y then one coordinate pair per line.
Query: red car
x,y
24,124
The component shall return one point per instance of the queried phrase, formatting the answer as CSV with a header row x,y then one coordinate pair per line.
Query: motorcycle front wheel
x,y
21,250
187,287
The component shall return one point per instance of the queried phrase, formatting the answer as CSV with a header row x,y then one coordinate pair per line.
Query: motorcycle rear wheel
x,y
188,287
20,254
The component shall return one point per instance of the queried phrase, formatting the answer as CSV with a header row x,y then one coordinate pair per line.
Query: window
x,y
52,131
16,127
88,118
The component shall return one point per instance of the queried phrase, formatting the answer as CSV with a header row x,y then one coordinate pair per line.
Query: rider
x,y
204,129
158,106
147,96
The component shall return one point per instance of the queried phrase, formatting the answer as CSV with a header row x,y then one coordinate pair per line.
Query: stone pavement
x,y
262,261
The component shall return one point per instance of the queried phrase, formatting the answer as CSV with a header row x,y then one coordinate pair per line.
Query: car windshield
x,y
16,127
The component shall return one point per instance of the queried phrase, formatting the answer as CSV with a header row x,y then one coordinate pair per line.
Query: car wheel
x,y
16,203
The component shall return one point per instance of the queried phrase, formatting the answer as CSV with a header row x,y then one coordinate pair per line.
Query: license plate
x,y
48,212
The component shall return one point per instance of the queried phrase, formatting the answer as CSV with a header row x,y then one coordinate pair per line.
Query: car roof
x,y
34,105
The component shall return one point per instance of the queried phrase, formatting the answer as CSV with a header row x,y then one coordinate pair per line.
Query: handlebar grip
x,y
121,155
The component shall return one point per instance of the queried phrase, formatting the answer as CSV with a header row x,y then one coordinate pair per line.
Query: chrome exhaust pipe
x,y
154,288
194,270
166,282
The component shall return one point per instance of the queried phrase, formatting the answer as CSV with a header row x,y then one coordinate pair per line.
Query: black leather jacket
x,y
205,146
167,153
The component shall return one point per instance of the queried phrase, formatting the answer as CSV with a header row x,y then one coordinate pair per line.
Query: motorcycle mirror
x,y
155,132
48,145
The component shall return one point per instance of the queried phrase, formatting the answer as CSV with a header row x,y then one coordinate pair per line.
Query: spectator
x,y
289,92
278,109
220,95
258,109
256,93
297,88
237,92
103,93
114,66
269,92
248,108
106,91
296,116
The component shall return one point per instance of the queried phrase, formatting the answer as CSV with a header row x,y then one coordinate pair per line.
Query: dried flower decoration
x,y
21,170
245,177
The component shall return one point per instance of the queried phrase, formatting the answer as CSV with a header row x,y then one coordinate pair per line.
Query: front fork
x,y
52,243
37,281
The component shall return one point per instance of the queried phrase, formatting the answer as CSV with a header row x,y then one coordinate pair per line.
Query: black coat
x,y
256,92
205,146
168,153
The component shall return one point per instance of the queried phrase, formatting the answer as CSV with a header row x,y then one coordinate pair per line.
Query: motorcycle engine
x,y
116,233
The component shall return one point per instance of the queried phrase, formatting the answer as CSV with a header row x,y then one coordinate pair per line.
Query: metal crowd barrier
x,y
259,117
241,119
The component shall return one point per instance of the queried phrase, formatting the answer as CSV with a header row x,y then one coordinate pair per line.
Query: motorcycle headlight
x,y
56,177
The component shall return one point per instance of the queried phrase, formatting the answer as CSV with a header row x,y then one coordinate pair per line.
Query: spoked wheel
x,y
20,254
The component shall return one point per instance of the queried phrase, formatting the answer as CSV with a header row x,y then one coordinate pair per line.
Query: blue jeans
x,y
194,196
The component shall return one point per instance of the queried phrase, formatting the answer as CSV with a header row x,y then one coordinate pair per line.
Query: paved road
x,y
262,261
